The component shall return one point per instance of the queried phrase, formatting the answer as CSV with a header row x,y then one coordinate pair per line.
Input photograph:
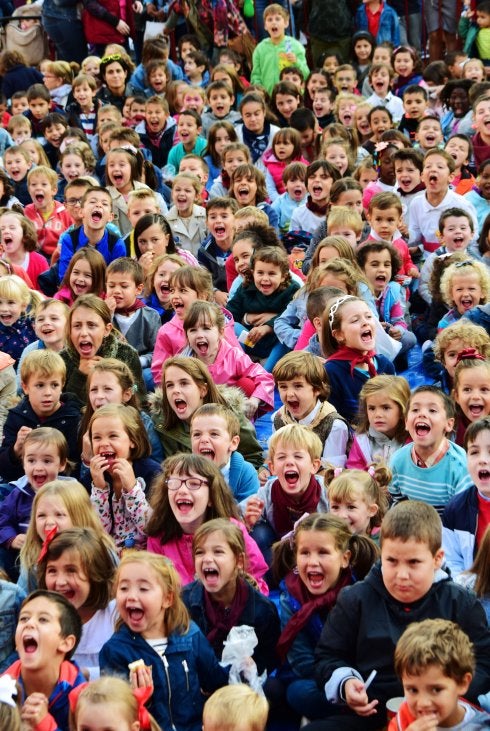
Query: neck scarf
x,y
315,207
287,511
310,605
222,619
355,357
257,144
137,305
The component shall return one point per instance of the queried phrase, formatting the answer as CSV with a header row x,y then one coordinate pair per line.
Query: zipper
x,y
165,667
186,670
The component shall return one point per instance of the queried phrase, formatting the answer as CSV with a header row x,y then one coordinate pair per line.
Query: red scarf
x,y
126,311
287,511
311,604
221,619
355,357
315,207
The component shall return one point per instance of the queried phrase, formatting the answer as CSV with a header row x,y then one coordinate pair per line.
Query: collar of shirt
x,y
433,458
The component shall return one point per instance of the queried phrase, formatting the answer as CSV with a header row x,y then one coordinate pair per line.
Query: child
x,y
224,595
17,163
81,568
121,450
380,120
309,592
286,149
336,151
49,326
96,214
294,460
276,52
190,492
470,390
153,238
380,428
380,78
110,701
86,274
481,138
189,127
256,132
429,134
476,580
360,499
50,217
464,285
221,101
415,100
303,389
449,343
157,284
294,184
187,219
220,135
49,627
215,248
435,653
432,469
319,178
234,706
157,130
44,455
156,629
89,337
248,188
348,339
204,326
479,194
82,111
267,289
345,79
233,155
20,243
16,330
380,608
385,217
136,321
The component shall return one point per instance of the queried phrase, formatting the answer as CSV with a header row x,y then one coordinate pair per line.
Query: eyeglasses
x,y
73,201
192,483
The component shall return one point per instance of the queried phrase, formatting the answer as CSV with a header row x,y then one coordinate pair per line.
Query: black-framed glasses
x,y
192,483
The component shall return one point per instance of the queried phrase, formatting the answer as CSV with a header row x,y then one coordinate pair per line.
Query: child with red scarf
x,y
309,591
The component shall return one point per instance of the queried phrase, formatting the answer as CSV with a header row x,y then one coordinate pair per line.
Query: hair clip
x,y
371,471
110,59
466,263
49,537
290,536
469,354
381,145
333,309
338,471
8,689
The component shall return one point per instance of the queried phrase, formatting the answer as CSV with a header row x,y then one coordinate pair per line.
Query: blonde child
x,y
50,327
157,293
234,154
178,661
16,325
303,389
309,592
459,336
113,702
380,428
120,471
187,219
35,151
220,135
337,152
360,498
76,160
464,285
232,707
248,188
471,391
86,274
204,326
48,215
19,245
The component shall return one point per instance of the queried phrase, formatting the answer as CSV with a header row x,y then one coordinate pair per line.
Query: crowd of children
x,y
194,246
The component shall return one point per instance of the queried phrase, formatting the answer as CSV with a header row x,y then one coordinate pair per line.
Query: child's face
x,y
383,414
119,171
347,233
220,102
105,388
38,636
187,129
295,79
357,329
362,121
192,70
217,566
380,81
450,355
158,80
181,298
459,102
315,82
111,442
242,253
385,223
195,167
414,105
16,166
107,115
347,112
356,512
141,600
427,421
408,568
87,331
337,155
473,70
482,117
380,122
39,108
137,110
403,63
387,167
41,463
466,291
54,133
345,81
253,116
275,26
293,467
210,437
478,460
221,223
67,577
161,281
97,210
122,287
44,393
233,159
319,560
433,696
183,196
318,185
183,393
245,191
84,95
473,392
21,133
267,277
482,19
368,175
407,175
429,134
298,396
286,104
351,199
41,191
327,253
221,140
484,182
51,512
12,234
186,48
381,55
456,233
194,101
50,325
204,339
10,311
72,167
330,65
154,240
362,49
139,207
378,270
20,105
436,174
99,716
296,189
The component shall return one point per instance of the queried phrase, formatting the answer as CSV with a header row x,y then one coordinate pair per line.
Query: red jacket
x,y
49,231
100,18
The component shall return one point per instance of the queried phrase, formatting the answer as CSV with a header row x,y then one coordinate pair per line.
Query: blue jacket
x,y
66,248
189,665
259,613
389,25
345,389
480,315
242,478
459,526
11,598
16,510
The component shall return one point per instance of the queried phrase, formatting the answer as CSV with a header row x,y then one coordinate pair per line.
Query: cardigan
x,y
345,388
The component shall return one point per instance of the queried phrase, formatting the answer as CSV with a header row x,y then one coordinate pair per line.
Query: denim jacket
x,y
11,597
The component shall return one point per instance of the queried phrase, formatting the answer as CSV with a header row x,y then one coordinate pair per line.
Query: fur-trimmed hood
x,y
233,396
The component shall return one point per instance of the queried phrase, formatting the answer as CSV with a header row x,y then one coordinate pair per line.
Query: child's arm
x,y
256,75
134,498
162,351
35,715
100,492
65,245
287,325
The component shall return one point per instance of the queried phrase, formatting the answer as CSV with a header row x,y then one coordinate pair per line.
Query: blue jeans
x,y
305,697
68,37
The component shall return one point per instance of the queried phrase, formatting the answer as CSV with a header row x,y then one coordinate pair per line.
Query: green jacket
x,y
270,59
467,30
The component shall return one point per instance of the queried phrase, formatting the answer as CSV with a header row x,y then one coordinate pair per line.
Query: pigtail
x,y
364,553
381,473
149,175
283,558
330,473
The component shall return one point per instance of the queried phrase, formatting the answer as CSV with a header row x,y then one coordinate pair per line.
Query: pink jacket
x,y
276,168
179,551
171,340
232,363
360,456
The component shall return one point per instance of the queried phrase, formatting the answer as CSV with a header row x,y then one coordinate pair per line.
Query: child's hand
x,y
426,723
146,260
221,298
259,318
86,449
414,273
291,57
111,303
142,677
86,364
251,406
263,475
18,541
357,698
98,465
34,710
21,437
137,7
395,333
253,512
123,471
257,333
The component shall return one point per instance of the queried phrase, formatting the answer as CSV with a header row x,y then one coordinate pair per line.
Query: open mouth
x,y
47,331
315,579
347,118
291,477
433,179
184,505
38,480
243,192
135,614
96,216
430,139
422,429
211,576
79,287
366,335
293,405
476,410
207,452
180,405
30,645
85,348
202,347
219,231
298,193
110,458
466,303
317,191
39,198
484,475
381,279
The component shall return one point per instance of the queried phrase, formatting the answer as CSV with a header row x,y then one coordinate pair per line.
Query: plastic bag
x,y
237,652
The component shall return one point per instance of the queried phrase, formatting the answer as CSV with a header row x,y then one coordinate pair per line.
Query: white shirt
x,y
390,102
424,218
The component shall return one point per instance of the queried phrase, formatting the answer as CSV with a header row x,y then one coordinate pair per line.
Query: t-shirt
x,y
483,43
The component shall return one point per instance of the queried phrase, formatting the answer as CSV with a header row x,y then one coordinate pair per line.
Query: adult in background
x,y
63,25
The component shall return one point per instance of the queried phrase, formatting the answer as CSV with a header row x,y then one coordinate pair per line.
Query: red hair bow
x,y
142,695
469,354
49,537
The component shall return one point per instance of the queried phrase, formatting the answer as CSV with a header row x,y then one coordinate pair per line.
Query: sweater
x,y
241,477
49,229
109,248
141,333
459,527
270,58
345,388
189,233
